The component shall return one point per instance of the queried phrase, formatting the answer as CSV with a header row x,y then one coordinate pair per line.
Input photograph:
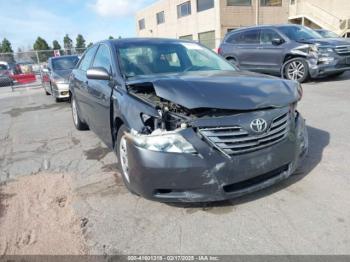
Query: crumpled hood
x,y
326,41
223,89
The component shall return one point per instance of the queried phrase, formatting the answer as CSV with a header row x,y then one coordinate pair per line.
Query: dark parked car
x,y
293,51
5,75
55,78
326,33
185,124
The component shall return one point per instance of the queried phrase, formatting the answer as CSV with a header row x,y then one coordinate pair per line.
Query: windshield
x,y
3,67
64,63
299,33
159,58
327,34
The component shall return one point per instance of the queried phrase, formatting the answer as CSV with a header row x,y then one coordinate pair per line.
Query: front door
x,y
270,55
99,98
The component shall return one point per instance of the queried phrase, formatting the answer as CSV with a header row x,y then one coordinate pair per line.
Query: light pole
x,y
257,12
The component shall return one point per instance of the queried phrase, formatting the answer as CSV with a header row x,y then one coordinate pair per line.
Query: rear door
x,y
247,47
99,98
270,55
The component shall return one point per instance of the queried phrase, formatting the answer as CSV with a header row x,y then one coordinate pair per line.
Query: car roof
x,y
263,26
143,40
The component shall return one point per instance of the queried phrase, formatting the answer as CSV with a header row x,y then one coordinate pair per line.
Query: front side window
x,y
271,2
160,18
207,39
239,2
149,59
267,35
142,24
299,33
184,9
64,63
87,59
103,58
204,5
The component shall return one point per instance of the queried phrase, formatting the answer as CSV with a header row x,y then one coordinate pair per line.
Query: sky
x,y
22,21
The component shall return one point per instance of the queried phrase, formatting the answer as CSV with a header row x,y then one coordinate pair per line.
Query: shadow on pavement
x,y
342,77
318,141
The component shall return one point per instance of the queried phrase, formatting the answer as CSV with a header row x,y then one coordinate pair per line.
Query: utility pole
x,y
257,7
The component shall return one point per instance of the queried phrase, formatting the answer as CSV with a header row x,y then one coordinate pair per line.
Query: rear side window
x,y
103,58
250,37
87,59
234,38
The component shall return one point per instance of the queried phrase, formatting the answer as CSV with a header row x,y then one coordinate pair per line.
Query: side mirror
x,y
98,73
277,41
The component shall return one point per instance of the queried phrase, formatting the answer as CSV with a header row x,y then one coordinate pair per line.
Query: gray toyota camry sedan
x,y
185,124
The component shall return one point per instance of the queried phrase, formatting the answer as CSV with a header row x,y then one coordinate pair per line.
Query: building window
x,y
204,5
239,2
271,2
160,18
207,39
292,2
184,9
142,24
186,37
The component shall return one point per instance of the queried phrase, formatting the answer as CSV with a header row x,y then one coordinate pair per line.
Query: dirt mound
x,y
36,217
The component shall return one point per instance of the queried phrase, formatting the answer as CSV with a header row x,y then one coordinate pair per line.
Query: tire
x,y
78,123
47,93
119,144
296,69
232,61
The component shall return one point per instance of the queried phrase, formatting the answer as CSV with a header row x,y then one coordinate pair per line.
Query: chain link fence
x,y
28,65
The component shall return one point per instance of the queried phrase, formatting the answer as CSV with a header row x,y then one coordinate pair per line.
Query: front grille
x,y
235,140
343,50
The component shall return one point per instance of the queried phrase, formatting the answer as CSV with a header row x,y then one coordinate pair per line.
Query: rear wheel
x,y
80,125
296,69
232,61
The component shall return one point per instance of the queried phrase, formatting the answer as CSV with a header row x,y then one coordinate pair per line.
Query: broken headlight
x,y
171,143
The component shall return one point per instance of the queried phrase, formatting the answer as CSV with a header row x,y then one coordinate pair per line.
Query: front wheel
x,y
121,150
296,69
80,125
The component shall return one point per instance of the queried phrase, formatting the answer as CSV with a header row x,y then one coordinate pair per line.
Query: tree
x,y
110,37
80,44
6,48
41,45
56,45
90,44
67,43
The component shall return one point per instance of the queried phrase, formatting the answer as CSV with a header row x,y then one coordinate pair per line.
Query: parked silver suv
x,y
291,51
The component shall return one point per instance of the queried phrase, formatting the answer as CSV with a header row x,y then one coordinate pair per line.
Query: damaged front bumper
x,y
209,175
328,65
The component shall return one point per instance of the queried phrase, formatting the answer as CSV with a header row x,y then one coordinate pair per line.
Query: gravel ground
x,y
307,214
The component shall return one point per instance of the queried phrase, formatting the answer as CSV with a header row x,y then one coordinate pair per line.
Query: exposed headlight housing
x,y
169,142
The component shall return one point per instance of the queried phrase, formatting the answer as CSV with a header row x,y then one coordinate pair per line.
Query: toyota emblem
x,y
258,125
